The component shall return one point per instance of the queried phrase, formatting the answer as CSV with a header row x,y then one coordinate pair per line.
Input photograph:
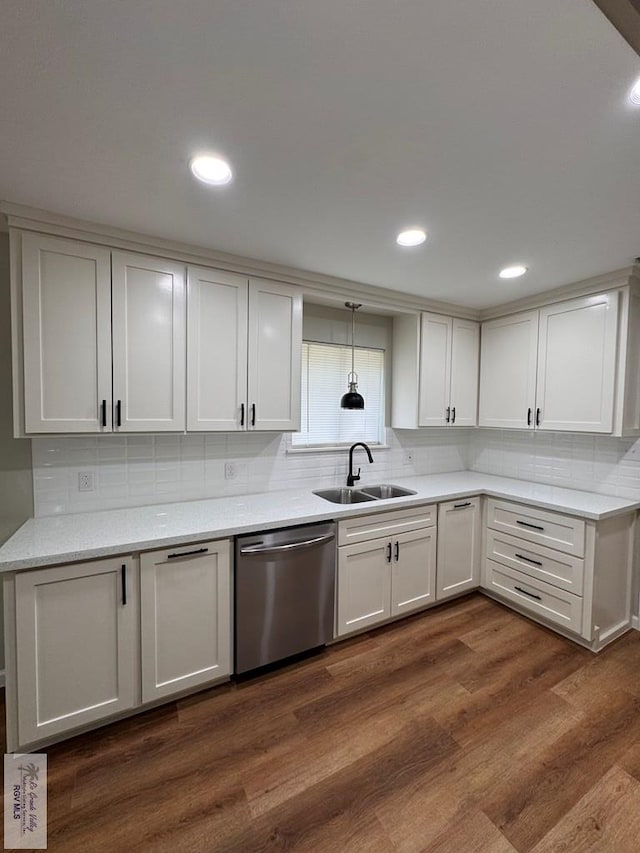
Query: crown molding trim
x,y
315,286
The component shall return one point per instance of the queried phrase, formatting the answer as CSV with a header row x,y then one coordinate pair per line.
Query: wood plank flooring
x,y
466,729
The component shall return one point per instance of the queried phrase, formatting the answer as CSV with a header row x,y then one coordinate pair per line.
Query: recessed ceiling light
x,y
411,237
513,272
211,170
634,94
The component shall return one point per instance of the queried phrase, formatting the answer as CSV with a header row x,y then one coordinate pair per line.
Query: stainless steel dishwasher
x,y
284,593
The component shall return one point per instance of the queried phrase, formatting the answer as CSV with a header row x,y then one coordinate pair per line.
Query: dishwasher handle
x,y
292,546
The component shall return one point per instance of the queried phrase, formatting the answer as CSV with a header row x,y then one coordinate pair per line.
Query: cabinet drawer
x,y
385,524
562,532
562,570
540,598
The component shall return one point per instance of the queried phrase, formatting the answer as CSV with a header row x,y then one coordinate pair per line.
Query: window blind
x,y
324,381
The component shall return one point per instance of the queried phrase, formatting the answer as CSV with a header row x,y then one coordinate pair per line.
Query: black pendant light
x,y
352,400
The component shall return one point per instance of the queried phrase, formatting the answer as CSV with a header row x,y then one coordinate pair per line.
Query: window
x,y
324,381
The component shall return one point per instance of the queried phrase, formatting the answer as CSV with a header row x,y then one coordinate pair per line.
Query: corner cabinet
x,y
435,371
458,547
564,367
386,566
254,329
76,643
102,338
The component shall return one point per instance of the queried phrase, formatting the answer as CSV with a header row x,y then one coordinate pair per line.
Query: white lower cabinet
x,y
458,547
88,642
386,575
76,645
570,573
185,617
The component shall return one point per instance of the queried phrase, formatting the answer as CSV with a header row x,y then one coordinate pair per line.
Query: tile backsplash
x,y
602,464
146,469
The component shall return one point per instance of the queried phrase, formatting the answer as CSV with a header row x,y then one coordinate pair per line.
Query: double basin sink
x,y
368,493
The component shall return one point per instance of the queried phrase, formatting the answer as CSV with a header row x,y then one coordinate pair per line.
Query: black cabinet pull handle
x,y
538,413
388,552
103,413
119,413
253,414
453,415
123,581
460,506
529,413
528,559
187,553
530,594
448,414
532,526
397,555
241,414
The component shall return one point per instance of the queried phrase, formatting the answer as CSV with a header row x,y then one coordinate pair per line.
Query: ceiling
x,y
501,126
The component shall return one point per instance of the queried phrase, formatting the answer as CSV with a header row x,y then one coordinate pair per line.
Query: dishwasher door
x,y
284,593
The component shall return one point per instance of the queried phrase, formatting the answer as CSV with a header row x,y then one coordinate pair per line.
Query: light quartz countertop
x,y
86,536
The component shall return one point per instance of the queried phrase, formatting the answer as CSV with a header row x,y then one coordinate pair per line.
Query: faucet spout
x,y
351,478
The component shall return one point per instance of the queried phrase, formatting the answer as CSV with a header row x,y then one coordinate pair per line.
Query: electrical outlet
x,y
85,481
407,458
230,472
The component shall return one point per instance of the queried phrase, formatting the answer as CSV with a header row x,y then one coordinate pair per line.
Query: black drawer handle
x,y
123,581
388,552
187,553
530,594
461,506
532,526
528,559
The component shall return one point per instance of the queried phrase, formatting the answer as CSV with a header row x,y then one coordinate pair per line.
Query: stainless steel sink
x,y
344,496
385,490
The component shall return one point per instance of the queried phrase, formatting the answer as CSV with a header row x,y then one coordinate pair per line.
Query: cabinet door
x,y
185,617
465,356
508,356
149,343
66,302
435,370
76,645
364,585
275,356
577,364
413,572
217,350
458,547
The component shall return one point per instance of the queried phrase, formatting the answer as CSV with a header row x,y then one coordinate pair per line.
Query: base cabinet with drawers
x,y
570,573
88,642
386,566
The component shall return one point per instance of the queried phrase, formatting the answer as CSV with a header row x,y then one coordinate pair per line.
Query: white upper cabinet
x,y
565,366
216,350
434,371
66,312
149,343
577,363
244,353
508,357
275,356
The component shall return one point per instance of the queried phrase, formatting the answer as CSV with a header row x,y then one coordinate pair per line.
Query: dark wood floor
x,y
462,730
